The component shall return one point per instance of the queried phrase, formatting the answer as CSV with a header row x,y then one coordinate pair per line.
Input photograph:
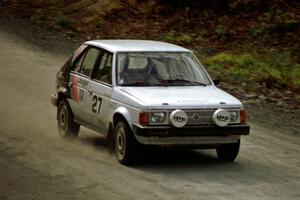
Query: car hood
x,y
182,97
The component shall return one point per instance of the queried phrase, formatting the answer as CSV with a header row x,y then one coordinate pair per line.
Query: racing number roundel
x,y
221,117
178,118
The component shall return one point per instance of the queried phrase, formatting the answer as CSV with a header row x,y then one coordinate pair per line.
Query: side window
x,y
89,61
103,72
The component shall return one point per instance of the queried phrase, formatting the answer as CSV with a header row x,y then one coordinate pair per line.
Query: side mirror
x,y
217,81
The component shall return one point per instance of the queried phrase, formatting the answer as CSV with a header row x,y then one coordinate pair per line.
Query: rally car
x,y
142,92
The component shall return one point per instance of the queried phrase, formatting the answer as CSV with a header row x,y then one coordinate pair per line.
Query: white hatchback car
x,y
146,93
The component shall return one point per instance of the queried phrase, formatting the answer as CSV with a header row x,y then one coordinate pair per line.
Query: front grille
x,y
199,117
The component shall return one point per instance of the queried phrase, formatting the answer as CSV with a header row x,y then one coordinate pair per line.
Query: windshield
x,y
160,69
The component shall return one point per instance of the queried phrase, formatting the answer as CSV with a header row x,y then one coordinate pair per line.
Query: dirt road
x,y
35,163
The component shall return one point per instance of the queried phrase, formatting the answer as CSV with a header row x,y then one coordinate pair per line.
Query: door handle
x,y
106,95
89,90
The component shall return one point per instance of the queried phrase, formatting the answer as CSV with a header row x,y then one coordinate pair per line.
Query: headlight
x,y
234,116
158,118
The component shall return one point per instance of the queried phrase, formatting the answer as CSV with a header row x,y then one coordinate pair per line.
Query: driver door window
x,y
103,72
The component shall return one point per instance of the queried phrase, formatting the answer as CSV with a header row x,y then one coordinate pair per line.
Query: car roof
x,y
136,46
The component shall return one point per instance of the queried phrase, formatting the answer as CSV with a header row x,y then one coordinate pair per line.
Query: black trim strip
x,y
241,129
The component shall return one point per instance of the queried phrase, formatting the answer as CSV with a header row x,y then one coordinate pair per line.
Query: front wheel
x,y
125,143
66,126
228,152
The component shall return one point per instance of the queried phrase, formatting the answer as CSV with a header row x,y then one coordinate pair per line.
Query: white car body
x,y
99,104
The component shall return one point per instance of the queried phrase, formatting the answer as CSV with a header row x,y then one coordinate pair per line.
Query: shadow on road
x,y
160,157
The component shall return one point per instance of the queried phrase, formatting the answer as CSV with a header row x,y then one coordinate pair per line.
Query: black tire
x,y
228,152
66,126
125,143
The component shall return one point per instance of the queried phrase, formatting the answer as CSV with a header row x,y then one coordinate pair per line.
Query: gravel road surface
x,y
35,163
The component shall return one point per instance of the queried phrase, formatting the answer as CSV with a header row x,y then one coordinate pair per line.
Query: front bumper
x,y
190,135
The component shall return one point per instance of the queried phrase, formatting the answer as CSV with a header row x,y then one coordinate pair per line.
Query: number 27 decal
x,y
97,101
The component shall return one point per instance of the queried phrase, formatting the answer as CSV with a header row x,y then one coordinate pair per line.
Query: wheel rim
x,y
120,143
63,120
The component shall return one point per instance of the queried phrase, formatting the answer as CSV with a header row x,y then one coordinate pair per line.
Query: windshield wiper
x,y
182,81
164,82
143,84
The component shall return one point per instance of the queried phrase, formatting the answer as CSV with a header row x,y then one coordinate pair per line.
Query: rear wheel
x,y
66,126
125,143
228,152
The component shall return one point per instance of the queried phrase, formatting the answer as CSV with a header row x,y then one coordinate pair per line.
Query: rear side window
x,y
78,52
78,63
85,62
89,61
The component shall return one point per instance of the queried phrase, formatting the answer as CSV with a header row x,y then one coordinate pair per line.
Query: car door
x,y
79,81
100,88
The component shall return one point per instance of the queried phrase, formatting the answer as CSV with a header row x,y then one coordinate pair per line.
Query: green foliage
x,y
284,27
63,22
277,71
221,32
184,38
99,22
171,37
257,31
168,37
